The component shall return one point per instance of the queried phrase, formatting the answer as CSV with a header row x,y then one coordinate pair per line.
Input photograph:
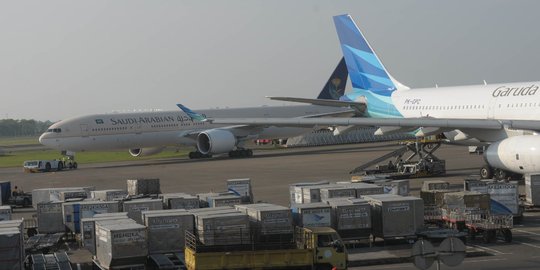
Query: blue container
x,y
5,191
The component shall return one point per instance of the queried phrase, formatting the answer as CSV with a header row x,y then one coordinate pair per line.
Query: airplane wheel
x,y
48,167
500,174
486,172
75,165
60,166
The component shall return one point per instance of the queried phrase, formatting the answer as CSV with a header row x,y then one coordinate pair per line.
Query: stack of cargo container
x,y
504,196
12,254
143,186
88,228
167,230
396,216
222,226
135,207
269,222
73,194
121,245
312,215
109,194
50,218
467,199
351,218
242,188
179,201
53,194
296,193
73,212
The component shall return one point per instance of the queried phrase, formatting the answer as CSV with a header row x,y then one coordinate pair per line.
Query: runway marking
x,y
527,244
490,249
485,260
522,231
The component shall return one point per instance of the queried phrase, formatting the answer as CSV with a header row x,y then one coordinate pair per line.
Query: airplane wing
x,y
322,102
492,124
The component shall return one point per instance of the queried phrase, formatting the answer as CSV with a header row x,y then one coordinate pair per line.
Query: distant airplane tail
x,y
335,86
369,77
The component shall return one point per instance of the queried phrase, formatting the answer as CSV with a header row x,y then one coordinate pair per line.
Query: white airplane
x,y
504,116
148,133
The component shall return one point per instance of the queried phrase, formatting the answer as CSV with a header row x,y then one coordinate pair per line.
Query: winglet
x,y
193,115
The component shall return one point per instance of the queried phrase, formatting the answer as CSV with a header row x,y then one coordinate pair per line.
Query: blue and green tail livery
x,y
193,115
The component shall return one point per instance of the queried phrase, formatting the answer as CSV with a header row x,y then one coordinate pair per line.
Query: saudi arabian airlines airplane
x,y
504,116
148,133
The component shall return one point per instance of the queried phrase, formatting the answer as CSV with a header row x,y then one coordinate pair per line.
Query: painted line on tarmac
x,y
527,232
485,260
490,250
527,244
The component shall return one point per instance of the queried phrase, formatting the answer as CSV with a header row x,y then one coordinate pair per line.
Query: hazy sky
x,y
60,59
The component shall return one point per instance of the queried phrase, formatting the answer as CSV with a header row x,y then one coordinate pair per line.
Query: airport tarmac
x,y
273,170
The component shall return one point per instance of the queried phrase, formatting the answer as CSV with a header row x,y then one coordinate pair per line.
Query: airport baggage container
x,y
532,189
397,187
475,185
337,192
73,212
225,228
295,190
241,187
50,218
11,249
434,197
467,199
5,212
504,196
109,194
53,194
365,189
73,194
16,225
269,219
180,201
312,215
135,207
227,200
166,231
5,192
435,185
164,211
117,214
144,186
121,244
88,229
204,198
351,219
395,216
312,194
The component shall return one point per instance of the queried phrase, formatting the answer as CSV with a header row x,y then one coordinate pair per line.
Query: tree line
x,y
22,127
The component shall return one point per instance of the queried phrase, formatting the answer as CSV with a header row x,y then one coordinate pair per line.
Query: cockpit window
x,y
55,130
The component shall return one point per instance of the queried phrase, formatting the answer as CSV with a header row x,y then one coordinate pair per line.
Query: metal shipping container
x,y
475,185
135,207
365,189
50,218
53,194
312,194
434,197
121,244
180,201
143,186
5,212
312,215
337,192
18,225
435,185
295,190
11,249
351,218
119,215
268,219
223,228
109,194
5,191
397,187
227,200
241,187
395,216
532,189
166,231
164,211
73,212
467,199
88,229
73,194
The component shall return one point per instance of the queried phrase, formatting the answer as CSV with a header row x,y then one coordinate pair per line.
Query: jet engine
x,y
215,141
142,152
519,154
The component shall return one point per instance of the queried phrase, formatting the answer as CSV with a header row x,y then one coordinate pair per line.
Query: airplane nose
x,y
42,138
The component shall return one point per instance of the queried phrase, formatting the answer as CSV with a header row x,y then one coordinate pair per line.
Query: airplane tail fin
x,y
335,86
366,71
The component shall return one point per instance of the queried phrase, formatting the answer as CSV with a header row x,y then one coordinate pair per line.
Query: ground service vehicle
x,y
311,248
48,165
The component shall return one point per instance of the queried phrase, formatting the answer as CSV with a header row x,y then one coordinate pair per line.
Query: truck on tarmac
x,y
312,248
48,165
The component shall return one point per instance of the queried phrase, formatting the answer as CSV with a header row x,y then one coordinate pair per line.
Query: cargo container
x,y
223,228
5,212
109,194
504,195
204,197
226,200
143,186
121,244
467,199
395,216
88,229
5,192
73,194
312,215
397,187
50,218
53,194
73,212
119,215
475,185
164,211
312,194
242,188
269,221
179,201
11,249
532,189
365,189
295,190
351,218
135,207
435,185
166,231
434,197
337,192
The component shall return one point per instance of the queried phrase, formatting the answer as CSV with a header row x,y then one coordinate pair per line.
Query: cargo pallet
x,y
480,222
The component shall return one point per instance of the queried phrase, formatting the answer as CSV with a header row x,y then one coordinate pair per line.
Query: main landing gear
x,y
198,155
487,172
241,153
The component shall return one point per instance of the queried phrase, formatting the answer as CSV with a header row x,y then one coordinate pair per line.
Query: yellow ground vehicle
x,y
311,248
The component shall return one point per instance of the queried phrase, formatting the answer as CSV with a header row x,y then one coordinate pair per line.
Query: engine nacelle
x,y
215,141
143,152
519,154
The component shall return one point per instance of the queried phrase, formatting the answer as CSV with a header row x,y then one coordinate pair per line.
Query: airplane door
x,y
84,130
492,106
